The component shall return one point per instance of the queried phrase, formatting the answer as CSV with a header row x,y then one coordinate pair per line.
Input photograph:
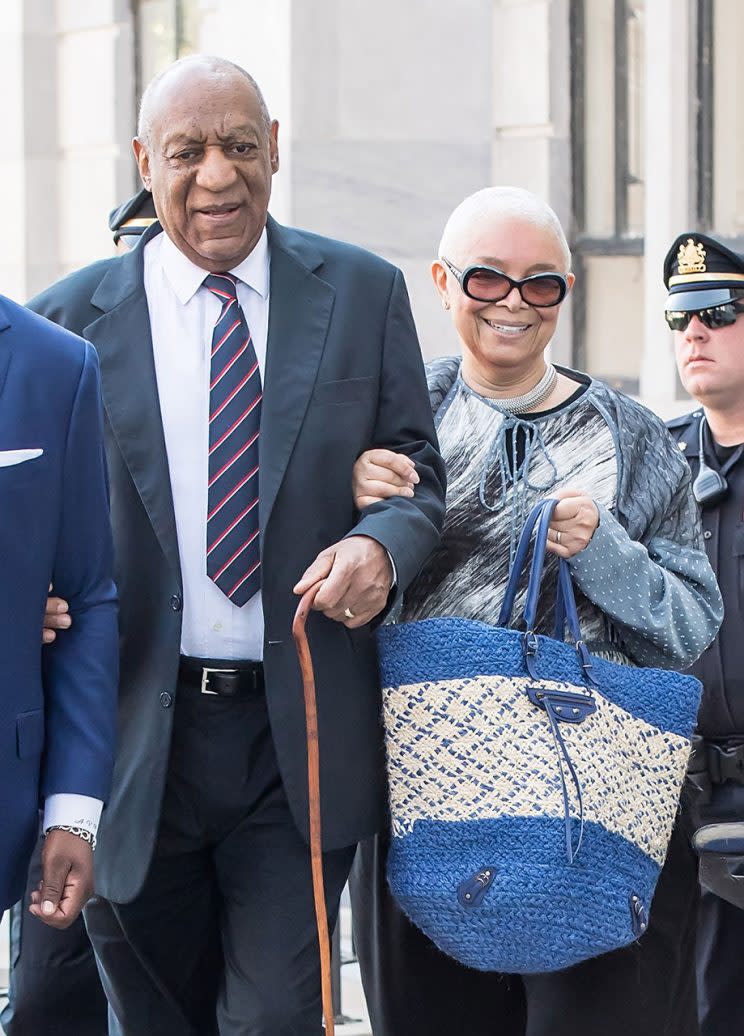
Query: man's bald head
x,y
184,70
493,203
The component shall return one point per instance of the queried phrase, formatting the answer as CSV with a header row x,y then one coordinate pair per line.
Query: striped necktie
x,y
233,560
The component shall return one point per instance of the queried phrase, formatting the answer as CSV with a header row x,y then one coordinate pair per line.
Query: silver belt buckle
x,y
205,679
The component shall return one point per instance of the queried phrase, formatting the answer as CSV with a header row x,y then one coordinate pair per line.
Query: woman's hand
x,y
575,519
380,474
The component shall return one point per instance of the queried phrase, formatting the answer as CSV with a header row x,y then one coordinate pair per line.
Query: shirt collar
x,y
186,277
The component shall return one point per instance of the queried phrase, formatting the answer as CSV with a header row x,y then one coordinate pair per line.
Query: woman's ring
x,y
558,538
348,613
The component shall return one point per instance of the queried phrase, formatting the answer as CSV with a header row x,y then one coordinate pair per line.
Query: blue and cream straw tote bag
x,y
533,788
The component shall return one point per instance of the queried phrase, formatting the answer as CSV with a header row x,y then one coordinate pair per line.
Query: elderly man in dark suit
x,y
245,366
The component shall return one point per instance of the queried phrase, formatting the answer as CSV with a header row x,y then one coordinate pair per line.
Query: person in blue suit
x,y
54,984
58,716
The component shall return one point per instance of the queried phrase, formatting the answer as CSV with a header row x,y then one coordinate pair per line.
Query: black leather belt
x,y
227,679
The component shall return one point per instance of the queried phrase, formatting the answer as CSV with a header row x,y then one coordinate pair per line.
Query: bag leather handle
x,y
517,568
538,564
565,604
299,633
540,515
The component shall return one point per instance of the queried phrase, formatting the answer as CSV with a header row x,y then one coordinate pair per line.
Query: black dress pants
x,y
229,885
54,985
412,989
720,943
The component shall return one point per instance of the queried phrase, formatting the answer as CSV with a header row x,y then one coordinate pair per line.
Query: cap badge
x,y
691,257
682,445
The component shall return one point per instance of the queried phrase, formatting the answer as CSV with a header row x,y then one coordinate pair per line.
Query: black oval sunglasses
x,y
488,284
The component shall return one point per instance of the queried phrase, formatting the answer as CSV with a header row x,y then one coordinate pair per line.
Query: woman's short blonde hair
x,y
513,202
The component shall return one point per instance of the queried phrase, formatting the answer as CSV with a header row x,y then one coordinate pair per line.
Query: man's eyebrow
x,y
235,133
177,139
239,132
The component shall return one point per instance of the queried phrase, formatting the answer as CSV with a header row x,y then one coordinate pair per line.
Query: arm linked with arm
x,y
81,667
408,527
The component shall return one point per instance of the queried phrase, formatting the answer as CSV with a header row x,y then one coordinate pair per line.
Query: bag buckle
x,y
568,706
530,642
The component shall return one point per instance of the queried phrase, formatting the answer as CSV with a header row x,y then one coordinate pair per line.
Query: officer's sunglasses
x,y
488,284
712,318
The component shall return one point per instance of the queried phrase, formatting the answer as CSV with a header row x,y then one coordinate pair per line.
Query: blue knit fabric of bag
x,y
540,912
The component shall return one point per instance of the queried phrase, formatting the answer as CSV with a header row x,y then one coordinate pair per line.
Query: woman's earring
x,y
445,303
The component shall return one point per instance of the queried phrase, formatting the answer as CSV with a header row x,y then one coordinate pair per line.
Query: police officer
x,y
55,989
130,220
705,309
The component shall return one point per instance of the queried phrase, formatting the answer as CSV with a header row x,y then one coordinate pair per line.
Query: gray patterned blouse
x,y
652,597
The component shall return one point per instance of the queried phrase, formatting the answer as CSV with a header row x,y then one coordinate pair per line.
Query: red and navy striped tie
x,y
233,560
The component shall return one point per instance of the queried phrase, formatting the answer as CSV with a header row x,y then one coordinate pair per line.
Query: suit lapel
x,y
299,314
124,343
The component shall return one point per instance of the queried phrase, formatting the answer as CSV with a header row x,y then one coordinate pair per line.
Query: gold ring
x,y
558,538
349,613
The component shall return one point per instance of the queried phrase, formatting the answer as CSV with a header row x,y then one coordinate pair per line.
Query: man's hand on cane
x,y
357,575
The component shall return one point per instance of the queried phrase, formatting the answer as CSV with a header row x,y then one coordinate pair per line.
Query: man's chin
x,y
222,252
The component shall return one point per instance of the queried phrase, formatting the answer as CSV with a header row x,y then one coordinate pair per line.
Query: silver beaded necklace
x,y
533,398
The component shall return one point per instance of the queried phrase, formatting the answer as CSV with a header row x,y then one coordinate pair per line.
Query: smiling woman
x,y
513,429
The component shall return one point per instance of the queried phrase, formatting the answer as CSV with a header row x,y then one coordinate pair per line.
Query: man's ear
x,y
274,145
143,162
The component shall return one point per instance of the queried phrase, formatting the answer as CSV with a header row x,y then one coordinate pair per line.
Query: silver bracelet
x,y
80,832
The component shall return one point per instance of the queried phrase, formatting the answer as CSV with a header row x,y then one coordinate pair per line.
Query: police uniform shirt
x,y
721,666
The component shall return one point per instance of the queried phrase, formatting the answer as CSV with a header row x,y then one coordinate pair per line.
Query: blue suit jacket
x,y
57,720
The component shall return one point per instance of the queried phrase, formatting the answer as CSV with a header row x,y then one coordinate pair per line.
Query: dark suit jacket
x,y
58,716
343,373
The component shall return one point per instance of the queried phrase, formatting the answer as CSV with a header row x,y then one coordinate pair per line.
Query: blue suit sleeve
x,y
81,666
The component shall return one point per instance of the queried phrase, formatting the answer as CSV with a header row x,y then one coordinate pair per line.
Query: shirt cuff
x,y
72,811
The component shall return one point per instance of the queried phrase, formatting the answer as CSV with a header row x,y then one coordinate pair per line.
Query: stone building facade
x,y
621,113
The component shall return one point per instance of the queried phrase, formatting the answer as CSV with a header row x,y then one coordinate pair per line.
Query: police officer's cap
x,y
700,272
134,216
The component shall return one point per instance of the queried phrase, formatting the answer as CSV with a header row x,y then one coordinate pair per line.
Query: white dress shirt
x,y
182,317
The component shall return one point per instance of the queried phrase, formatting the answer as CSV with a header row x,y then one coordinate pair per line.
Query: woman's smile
x,y
503,328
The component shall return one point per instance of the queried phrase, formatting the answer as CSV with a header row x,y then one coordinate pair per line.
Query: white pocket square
x,y
10,457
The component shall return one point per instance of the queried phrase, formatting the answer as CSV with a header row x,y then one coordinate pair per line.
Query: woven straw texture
x,y
457,751
475,782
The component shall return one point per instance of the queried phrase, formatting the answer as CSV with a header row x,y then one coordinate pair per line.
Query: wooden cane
x,y
313,783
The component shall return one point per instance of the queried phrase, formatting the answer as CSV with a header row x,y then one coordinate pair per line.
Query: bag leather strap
x,y
517,568
565,604
299,633
565,612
